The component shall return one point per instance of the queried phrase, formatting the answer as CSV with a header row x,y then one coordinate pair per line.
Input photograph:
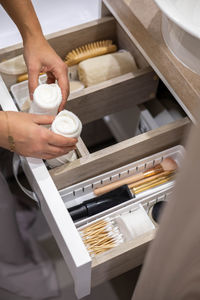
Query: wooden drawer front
x,y
121,153
122,259
113,95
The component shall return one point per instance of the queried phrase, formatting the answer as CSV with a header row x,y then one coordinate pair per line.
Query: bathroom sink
x,y
181,30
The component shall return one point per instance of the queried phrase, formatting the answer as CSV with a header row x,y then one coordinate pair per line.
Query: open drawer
x,y
91,104
129,253
85,271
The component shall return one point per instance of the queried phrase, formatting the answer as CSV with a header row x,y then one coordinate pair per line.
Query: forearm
x,y
38,54
3,131
24,16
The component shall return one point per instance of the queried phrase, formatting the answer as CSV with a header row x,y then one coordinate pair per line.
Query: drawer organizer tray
x,y
82,191
118,256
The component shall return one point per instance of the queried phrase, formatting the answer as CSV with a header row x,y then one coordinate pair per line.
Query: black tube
x,y
101,203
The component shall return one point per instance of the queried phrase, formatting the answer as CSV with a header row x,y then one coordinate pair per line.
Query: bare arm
x,y
24,16
39,56
30,138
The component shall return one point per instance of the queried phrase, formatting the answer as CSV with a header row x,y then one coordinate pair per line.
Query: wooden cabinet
x,y
119,24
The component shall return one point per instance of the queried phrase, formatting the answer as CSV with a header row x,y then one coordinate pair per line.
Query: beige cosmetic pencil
x,y
168,164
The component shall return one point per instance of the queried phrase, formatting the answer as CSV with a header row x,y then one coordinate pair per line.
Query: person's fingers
x,y
46,156
61,141
33,74
42,119
62,78
50,78
65,92
58,151
51,137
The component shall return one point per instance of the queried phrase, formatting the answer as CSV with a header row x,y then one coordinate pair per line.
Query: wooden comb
x,y
90,50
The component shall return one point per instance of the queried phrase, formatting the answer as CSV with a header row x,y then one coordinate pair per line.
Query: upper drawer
x,y
91,104
115,94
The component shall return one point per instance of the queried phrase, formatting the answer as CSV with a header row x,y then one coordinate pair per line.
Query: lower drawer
x,y
89,271
130,253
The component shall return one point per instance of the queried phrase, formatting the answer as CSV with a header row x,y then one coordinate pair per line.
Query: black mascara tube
x,y
94,206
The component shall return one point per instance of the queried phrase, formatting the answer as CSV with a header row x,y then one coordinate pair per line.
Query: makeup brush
x,y
168,164
152,184
150,179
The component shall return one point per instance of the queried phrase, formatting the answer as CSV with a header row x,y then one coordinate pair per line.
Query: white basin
x,y
181,30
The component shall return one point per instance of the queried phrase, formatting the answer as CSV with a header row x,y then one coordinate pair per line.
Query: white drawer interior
x,y
82,191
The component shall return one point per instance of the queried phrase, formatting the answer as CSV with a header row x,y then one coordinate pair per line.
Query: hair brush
x,y
90,50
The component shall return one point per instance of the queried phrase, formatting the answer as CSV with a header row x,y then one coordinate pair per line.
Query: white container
x,y
20,93
46,99
10,69
66,124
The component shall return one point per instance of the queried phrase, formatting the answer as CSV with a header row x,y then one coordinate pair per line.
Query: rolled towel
x,y
46,99
94,70
67,124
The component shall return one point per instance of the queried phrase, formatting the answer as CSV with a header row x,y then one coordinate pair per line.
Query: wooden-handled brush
x,y
168,164
84,52
155,182
90,50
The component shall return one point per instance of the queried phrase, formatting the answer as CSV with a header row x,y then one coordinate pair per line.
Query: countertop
x,y
53,15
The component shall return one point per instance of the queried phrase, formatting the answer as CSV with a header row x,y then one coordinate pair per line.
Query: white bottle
x,y
67,124
46,99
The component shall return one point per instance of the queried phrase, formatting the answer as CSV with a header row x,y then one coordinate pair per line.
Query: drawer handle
x,y
16,165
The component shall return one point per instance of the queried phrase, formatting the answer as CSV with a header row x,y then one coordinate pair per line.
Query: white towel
x,y
67,124
46,99
101,68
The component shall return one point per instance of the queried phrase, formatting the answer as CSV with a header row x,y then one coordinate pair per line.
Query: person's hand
x,y
32,140
41,58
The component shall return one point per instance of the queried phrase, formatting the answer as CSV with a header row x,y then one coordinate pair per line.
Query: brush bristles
x,y
101,236
88,51
169,164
